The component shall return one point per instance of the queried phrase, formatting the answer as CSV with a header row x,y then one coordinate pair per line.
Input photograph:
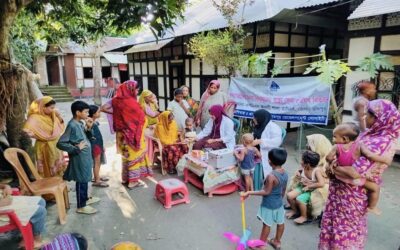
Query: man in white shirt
x,y
180,108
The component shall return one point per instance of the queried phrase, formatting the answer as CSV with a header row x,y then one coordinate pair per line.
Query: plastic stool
x,y
165,189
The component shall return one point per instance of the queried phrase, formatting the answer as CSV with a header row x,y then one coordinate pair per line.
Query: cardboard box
x,y
221,158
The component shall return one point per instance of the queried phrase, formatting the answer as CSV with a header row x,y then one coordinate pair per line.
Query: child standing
x,y
271,210
98,152
76,143
180,108
311,178
347,150
246,156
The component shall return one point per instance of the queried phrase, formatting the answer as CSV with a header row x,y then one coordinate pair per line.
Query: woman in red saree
x,y
129,123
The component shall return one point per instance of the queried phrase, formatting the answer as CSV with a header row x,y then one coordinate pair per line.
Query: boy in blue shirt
x,y
76,143
271,209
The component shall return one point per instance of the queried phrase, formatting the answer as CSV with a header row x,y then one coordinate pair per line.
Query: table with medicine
x,y
215,172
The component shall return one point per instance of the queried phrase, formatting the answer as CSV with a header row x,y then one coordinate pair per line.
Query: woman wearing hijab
x,y
194,105
149,104
218,133
167,131
46,126
344,223
212,96
267,135
129,123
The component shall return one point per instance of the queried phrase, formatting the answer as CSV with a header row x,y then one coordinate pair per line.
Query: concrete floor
x,y
136,216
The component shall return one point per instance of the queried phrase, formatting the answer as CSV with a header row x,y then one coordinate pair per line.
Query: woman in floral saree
x,y
130,122
344,223
46,126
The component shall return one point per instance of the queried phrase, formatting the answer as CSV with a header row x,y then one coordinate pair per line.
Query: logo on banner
x,y
274,87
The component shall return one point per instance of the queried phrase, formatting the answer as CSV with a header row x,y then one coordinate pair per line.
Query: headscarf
x,y
381,136
128,116
263,117
218,112
142,99
318,143
205,96
44,127
62,241
166,131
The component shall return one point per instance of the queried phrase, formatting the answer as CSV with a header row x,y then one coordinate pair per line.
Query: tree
x,y
59,20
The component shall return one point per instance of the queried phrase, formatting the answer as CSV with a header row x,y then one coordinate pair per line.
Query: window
x,y
87,72
153,84
139,80
106,72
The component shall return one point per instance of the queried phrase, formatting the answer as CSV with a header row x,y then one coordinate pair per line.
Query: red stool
x,y
165,189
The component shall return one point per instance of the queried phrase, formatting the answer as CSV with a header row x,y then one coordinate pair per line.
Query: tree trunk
x,y
97,75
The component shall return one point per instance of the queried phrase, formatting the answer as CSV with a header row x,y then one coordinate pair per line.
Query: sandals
x,y
303,223
276,246
133,185
92,200
293,216
100,184
86,210
102,179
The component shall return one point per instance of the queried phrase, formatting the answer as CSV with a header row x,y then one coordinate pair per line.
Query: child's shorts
x,y
304,196
271,216
247,171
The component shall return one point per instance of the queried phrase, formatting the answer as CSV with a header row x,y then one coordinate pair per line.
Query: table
x,y
209,179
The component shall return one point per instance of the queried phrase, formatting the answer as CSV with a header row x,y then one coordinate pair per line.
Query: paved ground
x,y
136,216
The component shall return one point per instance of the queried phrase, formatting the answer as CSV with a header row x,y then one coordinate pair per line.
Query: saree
x,y
167,132
344,223
208,100
130,123
150,109
46,129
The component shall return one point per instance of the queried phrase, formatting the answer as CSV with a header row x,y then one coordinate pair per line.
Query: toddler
x,y
311,178
246,157
347,150
271,209
98,151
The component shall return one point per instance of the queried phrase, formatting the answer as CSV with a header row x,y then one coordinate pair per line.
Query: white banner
x,y
289,99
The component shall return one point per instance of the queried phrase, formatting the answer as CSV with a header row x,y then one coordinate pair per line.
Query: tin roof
x,y
375,7
203,16
107,43
117,58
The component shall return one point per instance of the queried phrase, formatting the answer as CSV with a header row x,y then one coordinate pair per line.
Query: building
x,y
373,26
164,65
72,65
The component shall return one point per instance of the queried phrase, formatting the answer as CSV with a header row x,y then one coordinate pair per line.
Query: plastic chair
x,y
15,223
157,152
41,186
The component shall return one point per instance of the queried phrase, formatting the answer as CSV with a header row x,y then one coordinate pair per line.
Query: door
x,y
176,78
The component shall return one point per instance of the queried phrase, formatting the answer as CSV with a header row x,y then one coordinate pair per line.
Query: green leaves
x,y
371,64
278,68
329,71
218,48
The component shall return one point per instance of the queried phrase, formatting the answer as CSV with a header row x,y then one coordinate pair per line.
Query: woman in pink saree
x,y
344,223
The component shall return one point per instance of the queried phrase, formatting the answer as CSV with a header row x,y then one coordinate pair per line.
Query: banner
x,y
289,99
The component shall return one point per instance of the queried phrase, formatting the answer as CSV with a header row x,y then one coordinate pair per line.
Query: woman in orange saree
x,y
46,126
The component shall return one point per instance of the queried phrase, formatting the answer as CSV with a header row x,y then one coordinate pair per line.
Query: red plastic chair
x,y
14,224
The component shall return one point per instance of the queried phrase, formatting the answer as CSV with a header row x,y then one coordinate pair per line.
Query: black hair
x,y
78,106
178,92
277,156
82,242
93,109
311,158
355,131
52,102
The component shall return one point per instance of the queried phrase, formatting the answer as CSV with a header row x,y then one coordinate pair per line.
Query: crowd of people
x,y
337,184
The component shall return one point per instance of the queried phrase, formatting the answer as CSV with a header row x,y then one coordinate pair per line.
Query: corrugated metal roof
x,y
203,16
117,58
311,3
107,43
375,8
151,46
